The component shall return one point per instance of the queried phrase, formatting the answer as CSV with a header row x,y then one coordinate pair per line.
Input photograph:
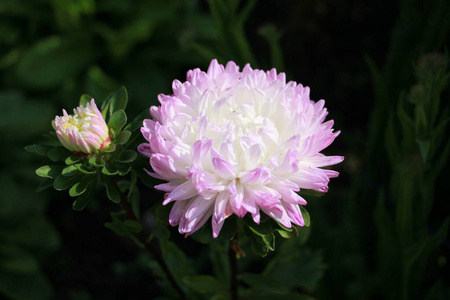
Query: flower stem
x,y
232,253
149,247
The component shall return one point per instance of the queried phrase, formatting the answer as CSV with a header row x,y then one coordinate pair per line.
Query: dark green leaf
x,y
96,161
50,171
162,213
63,183
119,229
263,283
127,156
287,233
118,120
73,159
161,231
111,191
204,284
44,185
85,169
119,100
83,200
69,171
110,170
17,260
80,187
133,226
58,154
39,149
122,137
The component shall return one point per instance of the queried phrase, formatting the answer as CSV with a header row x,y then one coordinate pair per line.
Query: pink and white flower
x,y
85,131
237,142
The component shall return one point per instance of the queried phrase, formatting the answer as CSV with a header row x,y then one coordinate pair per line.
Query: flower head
x,y
85,131
237,142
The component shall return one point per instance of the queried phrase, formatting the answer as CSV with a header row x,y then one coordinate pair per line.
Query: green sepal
x,y
119,100
310,193
306,217
122,137
85,99
263,229
111,148
73,159
81,186
83,200
96,162
118,120
39,149
263,283
63,183
260,244
44,185
127,156
205,284
50,171
58,154
70,171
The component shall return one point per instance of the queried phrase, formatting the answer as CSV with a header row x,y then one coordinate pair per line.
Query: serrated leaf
x,y
63,183
127,156
58,154
50,171
263,283
118,120
69,171
85,99
122,137
119,100
204,284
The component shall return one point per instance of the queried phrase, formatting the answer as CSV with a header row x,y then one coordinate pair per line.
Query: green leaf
x,y
263,229
287,233
119,100
96,161
44,185
80,187
305,215
122,137
118,120
63,183
85,99
69,171
39,149
83,200
133,226
111,191
85,169
204,284
58,154
161,231
119,229
73,159
263,283
127,156
310,193
162,213
50,171
110,170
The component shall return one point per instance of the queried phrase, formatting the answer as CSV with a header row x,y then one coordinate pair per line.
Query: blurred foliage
x,y
51,51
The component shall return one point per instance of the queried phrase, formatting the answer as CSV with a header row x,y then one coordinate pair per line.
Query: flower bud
x,y
85,131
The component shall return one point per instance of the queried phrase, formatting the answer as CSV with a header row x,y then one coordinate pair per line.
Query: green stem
x,y
149,247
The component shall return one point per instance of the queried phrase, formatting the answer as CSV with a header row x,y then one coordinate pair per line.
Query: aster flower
x,y
85,131
237,142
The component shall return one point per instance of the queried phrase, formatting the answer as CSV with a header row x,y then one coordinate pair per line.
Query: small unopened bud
x,y
84,131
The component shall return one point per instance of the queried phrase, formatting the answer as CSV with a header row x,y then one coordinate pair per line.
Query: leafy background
x,y
359,56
